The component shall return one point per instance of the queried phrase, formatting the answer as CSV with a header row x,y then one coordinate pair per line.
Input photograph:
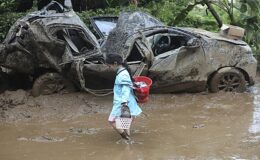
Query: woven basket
x,y
123,123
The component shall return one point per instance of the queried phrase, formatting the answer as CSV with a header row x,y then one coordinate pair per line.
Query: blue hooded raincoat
x,y
123,92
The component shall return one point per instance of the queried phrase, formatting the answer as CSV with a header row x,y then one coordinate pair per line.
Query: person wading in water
x,y
124,102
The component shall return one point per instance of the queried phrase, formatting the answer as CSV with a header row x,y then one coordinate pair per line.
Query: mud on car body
x,y
56,50
43,44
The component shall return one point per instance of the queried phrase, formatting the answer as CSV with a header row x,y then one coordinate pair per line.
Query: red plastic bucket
x,y
142,93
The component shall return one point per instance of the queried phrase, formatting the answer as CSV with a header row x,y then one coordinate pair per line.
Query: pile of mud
x,y
11,99
21,106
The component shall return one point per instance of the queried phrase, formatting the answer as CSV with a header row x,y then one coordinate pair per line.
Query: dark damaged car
x,y
53,49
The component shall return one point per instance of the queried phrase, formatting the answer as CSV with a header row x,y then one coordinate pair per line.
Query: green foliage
x,y
6,21
116,3
166,10
244,13
250,20
200,17
7,6
199,21
108,11
99,12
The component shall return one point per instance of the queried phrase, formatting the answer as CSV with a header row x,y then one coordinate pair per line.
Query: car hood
x,y
128,24
212,35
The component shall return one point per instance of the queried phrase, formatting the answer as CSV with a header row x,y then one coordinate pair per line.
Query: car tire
x,y
50,83
4,82
228,80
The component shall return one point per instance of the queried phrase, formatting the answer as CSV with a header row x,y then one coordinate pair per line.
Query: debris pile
x,y
11,99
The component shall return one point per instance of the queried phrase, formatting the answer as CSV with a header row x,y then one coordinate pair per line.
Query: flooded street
x,y
173,126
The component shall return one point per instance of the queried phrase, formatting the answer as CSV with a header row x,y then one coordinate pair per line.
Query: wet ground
x,y
174,126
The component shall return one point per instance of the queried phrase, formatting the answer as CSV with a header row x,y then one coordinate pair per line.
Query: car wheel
x,y
228,80
49,83
4,82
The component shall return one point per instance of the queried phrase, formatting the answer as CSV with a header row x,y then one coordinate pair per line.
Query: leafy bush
x,y
108,11
6,21
164,10
250,20
7,6
199,18
99,12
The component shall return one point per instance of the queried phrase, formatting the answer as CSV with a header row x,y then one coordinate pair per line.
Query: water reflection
x,y
174,126
255,125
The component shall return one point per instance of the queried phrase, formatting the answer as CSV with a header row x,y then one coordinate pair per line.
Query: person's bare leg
x,y
122,133
127,131
113,124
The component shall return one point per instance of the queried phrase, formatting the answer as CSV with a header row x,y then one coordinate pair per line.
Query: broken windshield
x,y
103,25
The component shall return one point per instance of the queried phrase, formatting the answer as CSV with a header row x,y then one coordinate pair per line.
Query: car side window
x,y
54,7
75,39
164,42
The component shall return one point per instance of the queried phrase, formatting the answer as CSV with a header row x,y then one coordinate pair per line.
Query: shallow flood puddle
x,y
174,126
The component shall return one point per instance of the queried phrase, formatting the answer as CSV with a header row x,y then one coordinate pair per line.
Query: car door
x,y
137,61
100,76
178,65
139,57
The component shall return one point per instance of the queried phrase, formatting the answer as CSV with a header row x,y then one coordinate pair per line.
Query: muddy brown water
x,y
174,126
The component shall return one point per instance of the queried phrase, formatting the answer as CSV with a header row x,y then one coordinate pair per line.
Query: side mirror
x,y
193,43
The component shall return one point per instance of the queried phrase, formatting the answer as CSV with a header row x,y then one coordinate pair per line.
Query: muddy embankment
x,y
175,126
21,106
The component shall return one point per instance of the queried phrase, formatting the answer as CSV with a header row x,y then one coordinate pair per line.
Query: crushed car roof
x,y
128,23
55,14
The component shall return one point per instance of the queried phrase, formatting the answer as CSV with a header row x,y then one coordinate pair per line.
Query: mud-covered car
x,y
56,50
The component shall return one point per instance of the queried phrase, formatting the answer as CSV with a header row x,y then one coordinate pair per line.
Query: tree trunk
x,y
183,14
214,13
